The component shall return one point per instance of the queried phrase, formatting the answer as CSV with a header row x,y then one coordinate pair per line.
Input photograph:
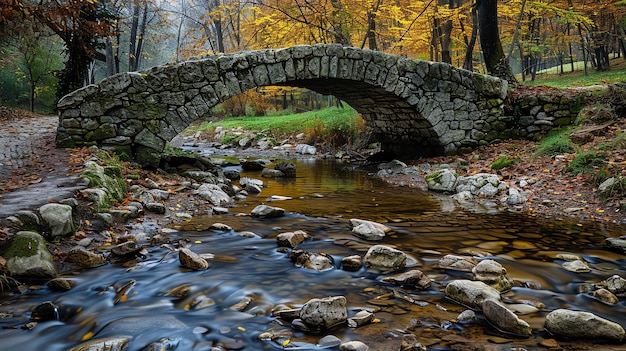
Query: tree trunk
x,y
468,63
495,61
132,40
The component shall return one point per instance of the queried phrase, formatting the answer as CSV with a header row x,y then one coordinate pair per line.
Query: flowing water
x,y
250,276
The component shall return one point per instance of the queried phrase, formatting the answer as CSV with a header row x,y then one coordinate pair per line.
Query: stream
x,y
230,304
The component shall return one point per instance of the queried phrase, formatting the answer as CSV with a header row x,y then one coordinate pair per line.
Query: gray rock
x,y
492,273
58,218
192,260
113,343
466,316
324,313
311,260
214,194
615,284
328,341
155,207
411,343
582,325
413,278
482,184
361,318
125,248
28,256
245,181
84,258
288,169
351,263
393,167
504,319
369,230
306,149
576,266
265,211
353,346
381,256
471,293
61,284
29,219
457,263
271,173
616,243
291,239
515,197
443,180
605,296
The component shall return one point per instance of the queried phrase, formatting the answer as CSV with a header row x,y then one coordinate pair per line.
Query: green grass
x,y
284,124
556,144
504,161
578,77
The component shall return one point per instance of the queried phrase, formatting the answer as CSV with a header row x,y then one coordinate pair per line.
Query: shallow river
x,y
253,274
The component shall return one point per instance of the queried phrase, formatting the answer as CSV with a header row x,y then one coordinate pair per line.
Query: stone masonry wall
x,y
414,107
535,112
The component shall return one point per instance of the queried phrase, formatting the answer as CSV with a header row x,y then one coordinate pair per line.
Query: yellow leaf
x,y
286,342
197,242
87,336
241,328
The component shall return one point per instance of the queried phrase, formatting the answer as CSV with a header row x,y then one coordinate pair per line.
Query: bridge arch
x,y
414,107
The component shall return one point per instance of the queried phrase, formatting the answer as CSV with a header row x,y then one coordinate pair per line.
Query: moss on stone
x,y
434,177
23,245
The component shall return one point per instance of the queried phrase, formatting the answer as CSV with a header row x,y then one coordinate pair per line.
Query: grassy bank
x,y
335,126
552,78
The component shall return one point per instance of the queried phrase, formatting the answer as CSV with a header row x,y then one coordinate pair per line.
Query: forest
x,y
49,48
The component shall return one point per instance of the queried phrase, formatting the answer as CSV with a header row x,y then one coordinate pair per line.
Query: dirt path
x,y
33,171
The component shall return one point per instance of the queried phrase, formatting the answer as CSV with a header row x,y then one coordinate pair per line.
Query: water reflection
x,y
230,304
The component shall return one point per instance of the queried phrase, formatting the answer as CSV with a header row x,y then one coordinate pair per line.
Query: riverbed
x,y
230,304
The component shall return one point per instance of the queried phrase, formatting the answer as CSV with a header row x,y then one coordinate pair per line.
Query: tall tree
x,y
489,33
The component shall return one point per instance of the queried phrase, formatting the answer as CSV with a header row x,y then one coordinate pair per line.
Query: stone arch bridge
x,y
415,108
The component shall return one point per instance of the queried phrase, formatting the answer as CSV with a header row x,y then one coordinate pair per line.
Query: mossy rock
x,y
112,182
28,256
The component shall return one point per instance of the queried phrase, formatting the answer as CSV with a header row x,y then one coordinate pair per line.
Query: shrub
x,y
555,145
504,161
588,162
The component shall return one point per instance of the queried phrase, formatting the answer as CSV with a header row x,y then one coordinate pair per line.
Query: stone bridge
x,y
415,108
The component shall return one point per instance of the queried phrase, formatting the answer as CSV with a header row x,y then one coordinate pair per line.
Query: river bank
x,y
235,242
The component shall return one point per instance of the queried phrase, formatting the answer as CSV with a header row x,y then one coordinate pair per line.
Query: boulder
x,y
265,211
481,184
471,293
504,319
214,194
412,278
291,239
28,256
192,260
493,274
582,325
381,256
324,313
351,263
361,318
369,230
353,346
311,260
457,263
443,180
615,284
58,218
306,149
112,343
288,169
84,258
